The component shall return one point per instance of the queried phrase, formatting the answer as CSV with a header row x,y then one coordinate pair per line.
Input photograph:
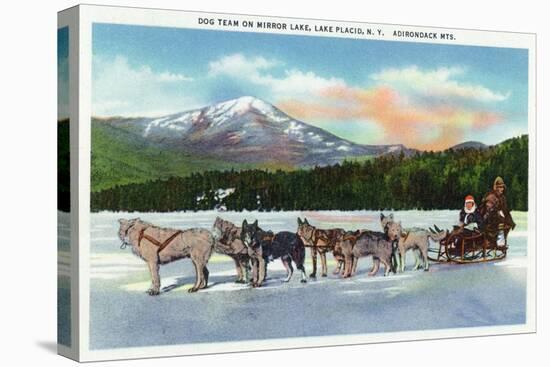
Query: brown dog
x,y
158,246
228,242
321,241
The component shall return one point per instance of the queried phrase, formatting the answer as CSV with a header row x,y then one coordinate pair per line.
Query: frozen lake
x,y
448,296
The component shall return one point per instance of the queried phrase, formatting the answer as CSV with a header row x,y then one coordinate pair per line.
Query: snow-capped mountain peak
x,y
240,106
217,114
248,129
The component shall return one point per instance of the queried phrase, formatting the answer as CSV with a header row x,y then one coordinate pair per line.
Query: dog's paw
x,y
240,281
153,292
312,276
324,275
303,281
192,290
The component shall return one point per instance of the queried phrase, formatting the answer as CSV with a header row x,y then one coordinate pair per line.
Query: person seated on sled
x,y
496,215
470,221
470,217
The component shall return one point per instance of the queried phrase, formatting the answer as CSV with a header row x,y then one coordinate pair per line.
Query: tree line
x,y
63,166
427,180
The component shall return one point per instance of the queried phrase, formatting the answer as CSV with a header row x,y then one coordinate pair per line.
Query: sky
x,y
424,96
62,73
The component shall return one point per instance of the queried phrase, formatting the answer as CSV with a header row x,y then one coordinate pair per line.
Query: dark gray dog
x,y
367,243
264,246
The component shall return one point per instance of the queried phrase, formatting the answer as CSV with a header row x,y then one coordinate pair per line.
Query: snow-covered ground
x,y
63,278
448,296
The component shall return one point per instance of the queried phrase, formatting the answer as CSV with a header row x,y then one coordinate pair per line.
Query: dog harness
x,y
268,236
352,238
317,235
161,245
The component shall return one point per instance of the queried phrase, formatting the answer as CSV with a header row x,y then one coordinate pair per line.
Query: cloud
x,y
240,66
421,109
62,88
293,83
437,83
120,88
415,125
167,76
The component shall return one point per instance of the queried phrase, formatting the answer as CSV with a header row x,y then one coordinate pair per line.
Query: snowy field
x,y
448,296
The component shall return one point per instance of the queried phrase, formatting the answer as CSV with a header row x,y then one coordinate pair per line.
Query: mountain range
x,y
248,130
241,133
470,145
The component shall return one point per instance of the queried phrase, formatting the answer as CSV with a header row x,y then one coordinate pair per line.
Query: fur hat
x,y
499,182
469,199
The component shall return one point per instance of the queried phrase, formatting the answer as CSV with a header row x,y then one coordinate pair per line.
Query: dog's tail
x,y
438,235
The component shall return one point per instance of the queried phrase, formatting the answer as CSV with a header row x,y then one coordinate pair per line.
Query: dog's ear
x,y
245,223
382,216
299,221
255,223
391,217
305,221
122,221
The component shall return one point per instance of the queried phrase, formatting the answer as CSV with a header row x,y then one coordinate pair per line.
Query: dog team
x,y
252,248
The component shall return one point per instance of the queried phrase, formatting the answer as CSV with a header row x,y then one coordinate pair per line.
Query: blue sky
x,y
371,92
63,73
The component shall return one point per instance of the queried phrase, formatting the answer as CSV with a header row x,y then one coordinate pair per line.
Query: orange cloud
x,y
414,125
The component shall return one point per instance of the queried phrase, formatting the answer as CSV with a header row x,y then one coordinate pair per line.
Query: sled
x,y
465,247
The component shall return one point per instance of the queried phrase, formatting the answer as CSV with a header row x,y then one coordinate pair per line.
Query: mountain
x,y
121,157
470,145
248,130
242,133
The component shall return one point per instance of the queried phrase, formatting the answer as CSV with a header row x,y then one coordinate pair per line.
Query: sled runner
x,y
465,246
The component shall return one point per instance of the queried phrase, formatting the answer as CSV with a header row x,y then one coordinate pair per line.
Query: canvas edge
x,y
69,18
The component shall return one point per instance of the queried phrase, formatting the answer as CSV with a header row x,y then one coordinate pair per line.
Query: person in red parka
x,y
470,215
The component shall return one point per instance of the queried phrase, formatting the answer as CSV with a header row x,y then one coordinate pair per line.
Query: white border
x,y
181,19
